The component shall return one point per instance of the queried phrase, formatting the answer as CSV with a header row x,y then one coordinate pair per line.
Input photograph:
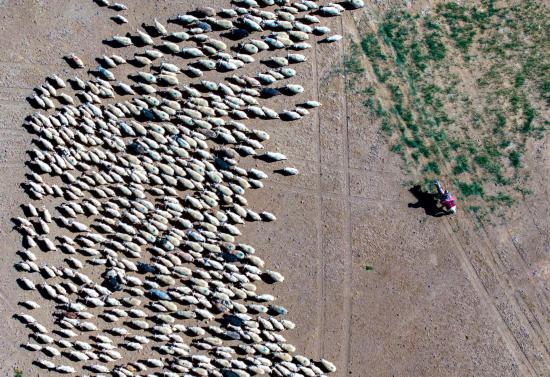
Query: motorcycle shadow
x,y
428,201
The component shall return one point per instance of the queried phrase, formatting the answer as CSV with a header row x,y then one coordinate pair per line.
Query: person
x,y
446,199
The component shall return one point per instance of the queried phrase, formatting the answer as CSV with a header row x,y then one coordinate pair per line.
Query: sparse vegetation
x,y
470,189
449,95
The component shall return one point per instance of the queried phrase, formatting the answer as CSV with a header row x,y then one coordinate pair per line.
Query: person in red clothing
x,y
446,199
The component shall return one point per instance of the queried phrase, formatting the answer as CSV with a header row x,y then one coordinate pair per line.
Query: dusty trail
x,y
511,342
321,269
530,336
348,292
538,321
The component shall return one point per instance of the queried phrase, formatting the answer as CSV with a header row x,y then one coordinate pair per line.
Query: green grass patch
x,y
461,165
436,47
501,199
523,191
432,167
471,189
372,48
500,123
529,116
473,209
515,159
352,63
544,88
519,79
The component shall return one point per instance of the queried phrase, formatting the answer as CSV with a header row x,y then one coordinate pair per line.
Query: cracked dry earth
x,y
154,204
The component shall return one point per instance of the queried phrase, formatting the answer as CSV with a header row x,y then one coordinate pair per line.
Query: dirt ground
x,y
446,297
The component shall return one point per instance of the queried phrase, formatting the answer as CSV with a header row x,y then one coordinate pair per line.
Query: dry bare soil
x,y
446,296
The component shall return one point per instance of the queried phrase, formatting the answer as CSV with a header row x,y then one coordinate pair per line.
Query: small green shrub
x,y
519,79
500,123
397,148
544,88
501,198
522,190
529,116
436,47
515,101
352,64
418,57
461,165
432,167
473,209
470,189
515,159
371,47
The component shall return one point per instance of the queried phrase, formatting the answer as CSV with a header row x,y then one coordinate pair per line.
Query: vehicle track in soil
x,y
539,322
522,326
348,298
321,262
503,329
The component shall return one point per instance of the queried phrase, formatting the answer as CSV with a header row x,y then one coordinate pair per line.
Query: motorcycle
x,y
446,199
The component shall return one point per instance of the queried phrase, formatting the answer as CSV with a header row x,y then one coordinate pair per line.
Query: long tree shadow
x,y
426,200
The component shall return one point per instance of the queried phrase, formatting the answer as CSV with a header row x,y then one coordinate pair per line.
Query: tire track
x,y
348,301
336,166
503,286
320,250
507,335
7,303
542,324
357,198
538,337
523,266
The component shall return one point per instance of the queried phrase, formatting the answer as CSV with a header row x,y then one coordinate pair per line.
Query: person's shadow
x,y
426,200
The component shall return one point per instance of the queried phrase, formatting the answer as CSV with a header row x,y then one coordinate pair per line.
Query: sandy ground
x,y
445,298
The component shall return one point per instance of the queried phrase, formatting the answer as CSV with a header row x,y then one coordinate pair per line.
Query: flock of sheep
x,y
130,255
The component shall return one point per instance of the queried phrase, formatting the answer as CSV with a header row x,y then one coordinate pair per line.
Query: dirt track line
x,y
348,301
525,314
12,102
15,132
320,250
485,298
338,167
332,195
7,302
535,224
306,191
28,88
27,63
10,164
540,329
